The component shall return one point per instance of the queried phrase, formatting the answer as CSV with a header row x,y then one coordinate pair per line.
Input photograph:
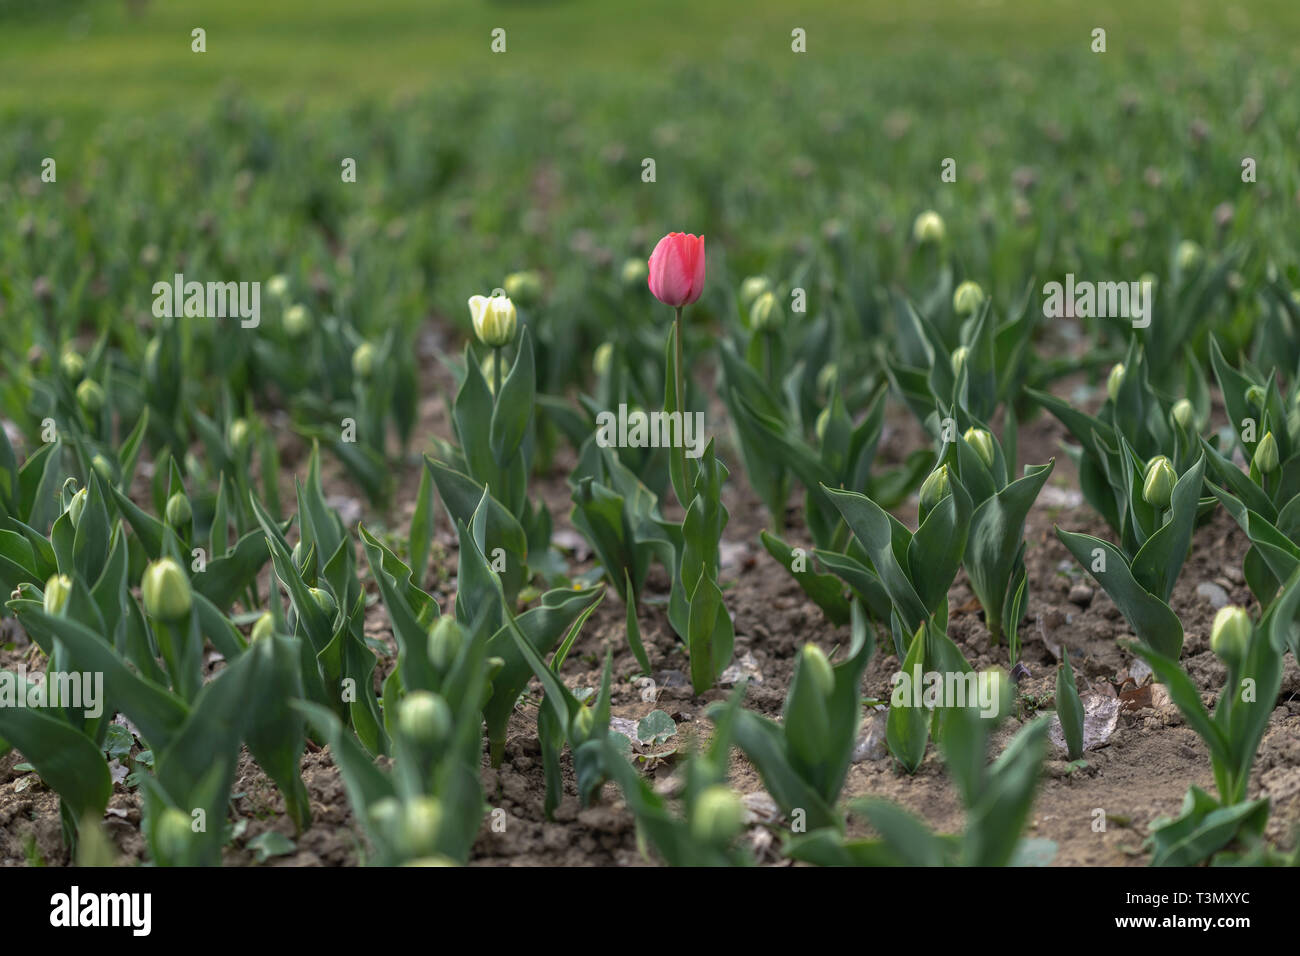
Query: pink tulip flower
x,y
677,269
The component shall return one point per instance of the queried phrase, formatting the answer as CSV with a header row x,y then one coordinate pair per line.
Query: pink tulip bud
x,y
677,269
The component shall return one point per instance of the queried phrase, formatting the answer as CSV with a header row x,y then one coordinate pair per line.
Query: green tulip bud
x,y
1256,396
935,488
296,321
583,721
718,816
826,378
982,442
928,228
523,287
363,361
76,506
239,434
90,396
57,591
635,272
752,288
1158,487
823,419
1230,633
166,589
600,361
104,468
421,821
1182,413
445,641
386,815
72,365
424,717
766,314
178,512
278,287
172,834
819,669
960,356
495,319
1266,454
263,628
968,298
1189,256
1115,381
324,600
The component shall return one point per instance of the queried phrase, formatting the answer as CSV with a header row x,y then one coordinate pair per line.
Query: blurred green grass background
x,y
82,58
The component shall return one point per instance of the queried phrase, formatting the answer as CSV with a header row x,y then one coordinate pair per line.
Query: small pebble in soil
x,y
1081,595
1213,593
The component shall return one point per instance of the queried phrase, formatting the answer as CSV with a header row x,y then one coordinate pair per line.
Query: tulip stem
x,y
496,375
680,386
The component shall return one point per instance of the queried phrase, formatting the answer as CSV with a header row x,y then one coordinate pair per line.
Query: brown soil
x,y
1141,773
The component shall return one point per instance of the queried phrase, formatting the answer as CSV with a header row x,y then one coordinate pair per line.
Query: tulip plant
x,y
998,798
1265,499
1163,514
1252,654
803,759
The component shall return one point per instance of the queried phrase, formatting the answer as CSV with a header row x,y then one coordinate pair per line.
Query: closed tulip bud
x,y
718,816
363,361
1189,255
600,361
152,355
1255,396
1183,413
239,435
296,321
523,287
178,511
982,442
324,600
264,627
823,419
166,589
676,269
76,506
928,227
278,287
968,298
421,821
634,272
1266,454
826,378
57,591
103,467
90,396
386,816
935,488
752,287
960,356
72,365
583,721
445,641
766,314
819,668
495,319
172,834
1115,381
1158,487
424,717
1230,633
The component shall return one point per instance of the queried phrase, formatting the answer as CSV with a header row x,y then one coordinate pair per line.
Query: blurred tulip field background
x,y
448,570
